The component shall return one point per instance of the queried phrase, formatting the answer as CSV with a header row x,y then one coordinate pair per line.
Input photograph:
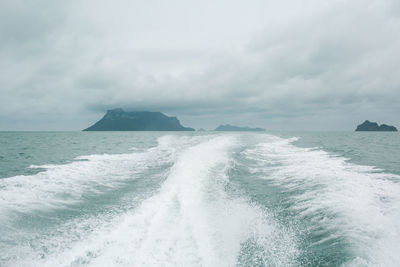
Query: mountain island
x,y
373,126
120,120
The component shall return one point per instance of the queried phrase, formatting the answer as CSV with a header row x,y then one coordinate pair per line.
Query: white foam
x,y
191,221
61,185
356,202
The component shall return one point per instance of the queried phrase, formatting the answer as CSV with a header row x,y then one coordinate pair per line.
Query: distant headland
x,y
120,120
373,126
229,127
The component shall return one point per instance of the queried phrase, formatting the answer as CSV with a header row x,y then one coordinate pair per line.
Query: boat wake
x,y
188,202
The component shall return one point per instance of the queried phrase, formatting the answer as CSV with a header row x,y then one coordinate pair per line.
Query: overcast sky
x,y
281,65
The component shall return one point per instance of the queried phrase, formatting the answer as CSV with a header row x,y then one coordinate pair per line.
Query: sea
x,y
199,199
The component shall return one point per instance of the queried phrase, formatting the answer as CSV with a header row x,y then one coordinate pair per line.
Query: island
x,y
229,127
120,120
373,126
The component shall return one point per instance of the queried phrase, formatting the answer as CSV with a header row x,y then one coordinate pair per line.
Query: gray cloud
x,y
286,65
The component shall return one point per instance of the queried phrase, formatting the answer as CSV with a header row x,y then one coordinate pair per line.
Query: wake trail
x,y
359,204
191,221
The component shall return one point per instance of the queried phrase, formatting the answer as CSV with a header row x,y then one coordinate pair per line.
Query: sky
x,y
281,65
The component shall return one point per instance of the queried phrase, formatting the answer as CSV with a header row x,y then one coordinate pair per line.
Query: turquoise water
x,y
199,199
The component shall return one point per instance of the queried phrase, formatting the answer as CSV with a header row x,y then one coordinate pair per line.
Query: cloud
x,y
276,65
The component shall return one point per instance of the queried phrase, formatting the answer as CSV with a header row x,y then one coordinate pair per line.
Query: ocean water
x,y
199,199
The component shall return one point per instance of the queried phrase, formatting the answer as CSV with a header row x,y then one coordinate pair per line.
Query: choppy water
x,y
199,199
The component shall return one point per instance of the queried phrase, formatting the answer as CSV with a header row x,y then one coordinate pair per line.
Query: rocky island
x,y
229,127
373,126
120,120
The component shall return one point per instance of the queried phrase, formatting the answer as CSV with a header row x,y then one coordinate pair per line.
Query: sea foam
x,y
358,203
190,221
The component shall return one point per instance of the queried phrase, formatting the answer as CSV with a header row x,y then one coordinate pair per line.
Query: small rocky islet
x,y
228,127
369,126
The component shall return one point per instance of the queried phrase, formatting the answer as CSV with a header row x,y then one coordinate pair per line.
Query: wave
x,y
61,185
184,203
337,199
191,220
